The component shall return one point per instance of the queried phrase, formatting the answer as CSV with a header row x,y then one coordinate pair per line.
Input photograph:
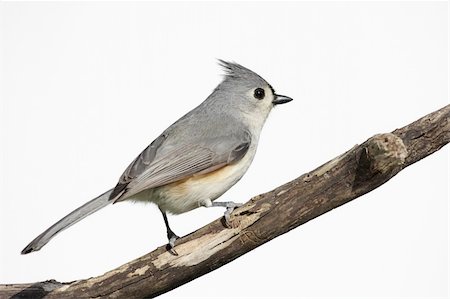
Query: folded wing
x,y
150,169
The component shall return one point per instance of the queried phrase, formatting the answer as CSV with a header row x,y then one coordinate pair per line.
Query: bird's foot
x,y
230,208
172,238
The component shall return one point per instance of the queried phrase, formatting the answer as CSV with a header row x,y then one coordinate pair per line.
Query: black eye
x,y
259,93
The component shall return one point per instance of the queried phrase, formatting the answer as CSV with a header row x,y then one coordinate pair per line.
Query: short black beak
x,y
281,99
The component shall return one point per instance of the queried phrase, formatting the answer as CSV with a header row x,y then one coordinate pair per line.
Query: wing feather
x,y
150,169
138,166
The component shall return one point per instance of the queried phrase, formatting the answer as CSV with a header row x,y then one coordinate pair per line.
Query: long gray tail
x,y
80,213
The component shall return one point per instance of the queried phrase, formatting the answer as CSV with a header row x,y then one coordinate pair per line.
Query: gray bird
x,y
195,160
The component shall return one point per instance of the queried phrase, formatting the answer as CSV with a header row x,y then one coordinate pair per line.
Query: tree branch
x,y
266,216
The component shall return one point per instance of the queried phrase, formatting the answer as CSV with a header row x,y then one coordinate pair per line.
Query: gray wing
x,y
138,166
150,169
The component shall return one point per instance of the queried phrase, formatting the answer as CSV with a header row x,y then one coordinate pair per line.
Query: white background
x,y
87,86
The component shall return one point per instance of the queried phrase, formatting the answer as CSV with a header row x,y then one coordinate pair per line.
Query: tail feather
x,y
75,216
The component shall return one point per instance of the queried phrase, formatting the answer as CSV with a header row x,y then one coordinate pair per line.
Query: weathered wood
x,y
266,216
29,290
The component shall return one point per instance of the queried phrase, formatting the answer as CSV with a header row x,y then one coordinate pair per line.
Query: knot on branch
x,y
380,157
385,152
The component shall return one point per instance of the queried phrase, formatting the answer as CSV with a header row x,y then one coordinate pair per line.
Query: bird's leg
x,y
230,205
170,234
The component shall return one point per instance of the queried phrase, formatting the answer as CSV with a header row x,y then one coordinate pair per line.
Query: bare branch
x,y
266,216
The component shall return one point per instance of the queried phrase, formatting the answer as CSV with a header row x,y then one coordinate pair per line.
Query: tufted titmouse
x,y
196,159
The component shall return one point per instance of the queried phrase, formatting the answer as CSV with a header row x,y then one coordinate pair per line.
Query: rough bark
x,y
266,216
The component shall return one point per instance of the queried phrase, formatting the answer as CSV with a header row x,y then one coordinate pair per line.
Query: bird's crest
x,y
236,71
